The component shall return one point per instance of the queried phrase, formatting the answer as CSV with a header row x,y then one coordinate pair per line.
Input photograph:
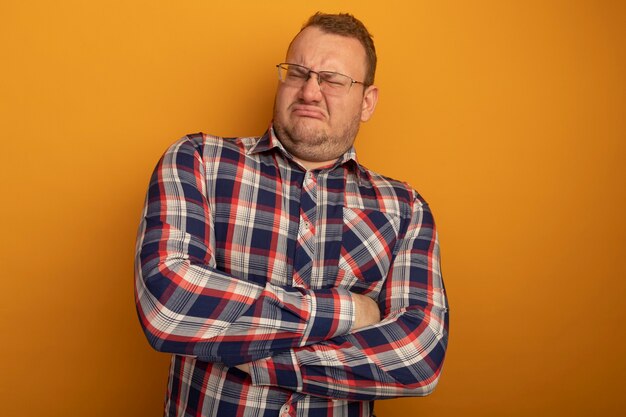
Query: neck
x,y
310,165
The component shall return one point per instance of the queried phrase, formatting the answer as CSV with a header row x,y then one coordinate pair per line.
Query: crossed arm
x,y
328,342
400,356
366,313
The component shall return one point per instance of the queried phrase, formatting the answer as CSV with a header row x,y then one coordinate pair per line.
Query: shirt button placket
x,y
308,183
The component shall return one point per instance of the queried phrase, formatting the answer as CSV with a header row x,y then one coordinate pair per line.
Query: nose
x,y
311,91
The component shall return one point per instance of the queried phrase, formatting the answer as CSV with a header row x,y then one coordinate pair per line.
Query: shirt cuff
x,y
332,314
280,370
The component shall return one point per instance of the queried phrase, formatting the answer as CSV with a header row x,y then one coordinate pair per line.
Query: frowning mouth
x,y
313,112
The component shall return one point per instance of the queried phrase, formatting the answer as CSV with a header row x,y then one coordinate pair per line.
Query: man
x,y
285,278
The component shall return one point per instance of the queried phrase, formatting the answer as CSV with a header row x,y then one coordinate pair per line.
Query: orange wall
x,y
509,117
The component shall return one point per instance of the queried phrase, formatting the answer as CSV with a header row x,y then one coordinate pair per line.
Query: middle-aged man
x,y
286,278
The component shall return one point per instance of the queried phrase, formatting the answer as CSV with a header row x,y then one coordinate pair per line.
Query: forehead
x,y
327,51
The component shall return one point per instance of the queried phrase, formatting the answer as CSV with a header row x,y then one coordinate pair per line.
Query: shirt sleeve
x,y
400,356
187,306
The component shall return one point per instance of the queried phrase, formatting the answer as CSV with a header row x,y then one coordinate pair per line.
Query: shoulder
x,y
392,195
209,148
204,142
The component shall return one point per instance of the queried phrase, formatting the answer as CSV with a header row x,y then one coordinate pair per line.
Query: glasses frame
x,y
309,71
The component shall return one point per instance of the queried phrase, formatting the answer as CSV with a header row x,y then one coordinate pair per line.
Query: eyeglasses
x,y
330,82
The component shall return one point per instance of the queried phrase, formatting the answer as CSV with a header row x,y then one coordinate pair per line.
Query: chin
x,y
310,136
303,131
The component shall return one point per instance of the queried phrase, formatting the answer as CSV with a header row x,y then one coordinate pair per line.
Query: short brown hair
x,y
345,24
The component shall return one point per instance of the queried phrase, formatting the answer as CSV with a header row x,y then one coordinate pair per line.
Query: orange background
x,y
509,117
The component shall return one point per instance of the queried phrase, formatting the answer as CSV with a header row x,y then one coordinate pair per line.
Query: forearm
x,y
366,313
364,365
226,320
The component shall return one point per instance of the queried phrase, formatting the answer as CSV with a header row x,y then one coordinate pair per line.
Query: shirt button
x,y
284,410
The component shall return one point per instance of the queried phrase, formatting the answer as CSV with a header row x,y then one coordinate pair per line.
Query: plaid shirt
x,y
244,257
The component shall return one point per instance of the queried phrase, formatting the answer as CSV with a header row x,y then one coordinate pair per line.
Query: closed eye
x,y
297,72
334,78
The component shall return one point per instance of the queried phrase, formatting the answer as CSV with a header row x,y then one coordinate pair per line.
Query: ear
x,y
370,98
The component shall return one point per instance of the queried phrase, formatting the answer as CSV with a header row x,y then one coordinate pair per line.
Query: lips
x,y
303,110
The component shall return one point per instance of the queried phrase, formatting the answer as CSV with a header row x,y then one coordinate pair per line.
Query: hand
x,y
366,311
244,367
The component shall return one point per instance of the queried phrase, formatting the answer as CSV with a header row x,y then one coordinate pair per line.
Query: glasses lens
x,y
294,75
334,83
329,82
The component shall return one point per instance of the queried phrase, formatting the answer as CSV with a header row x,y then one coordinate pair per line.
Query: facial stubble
x,y
313,144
